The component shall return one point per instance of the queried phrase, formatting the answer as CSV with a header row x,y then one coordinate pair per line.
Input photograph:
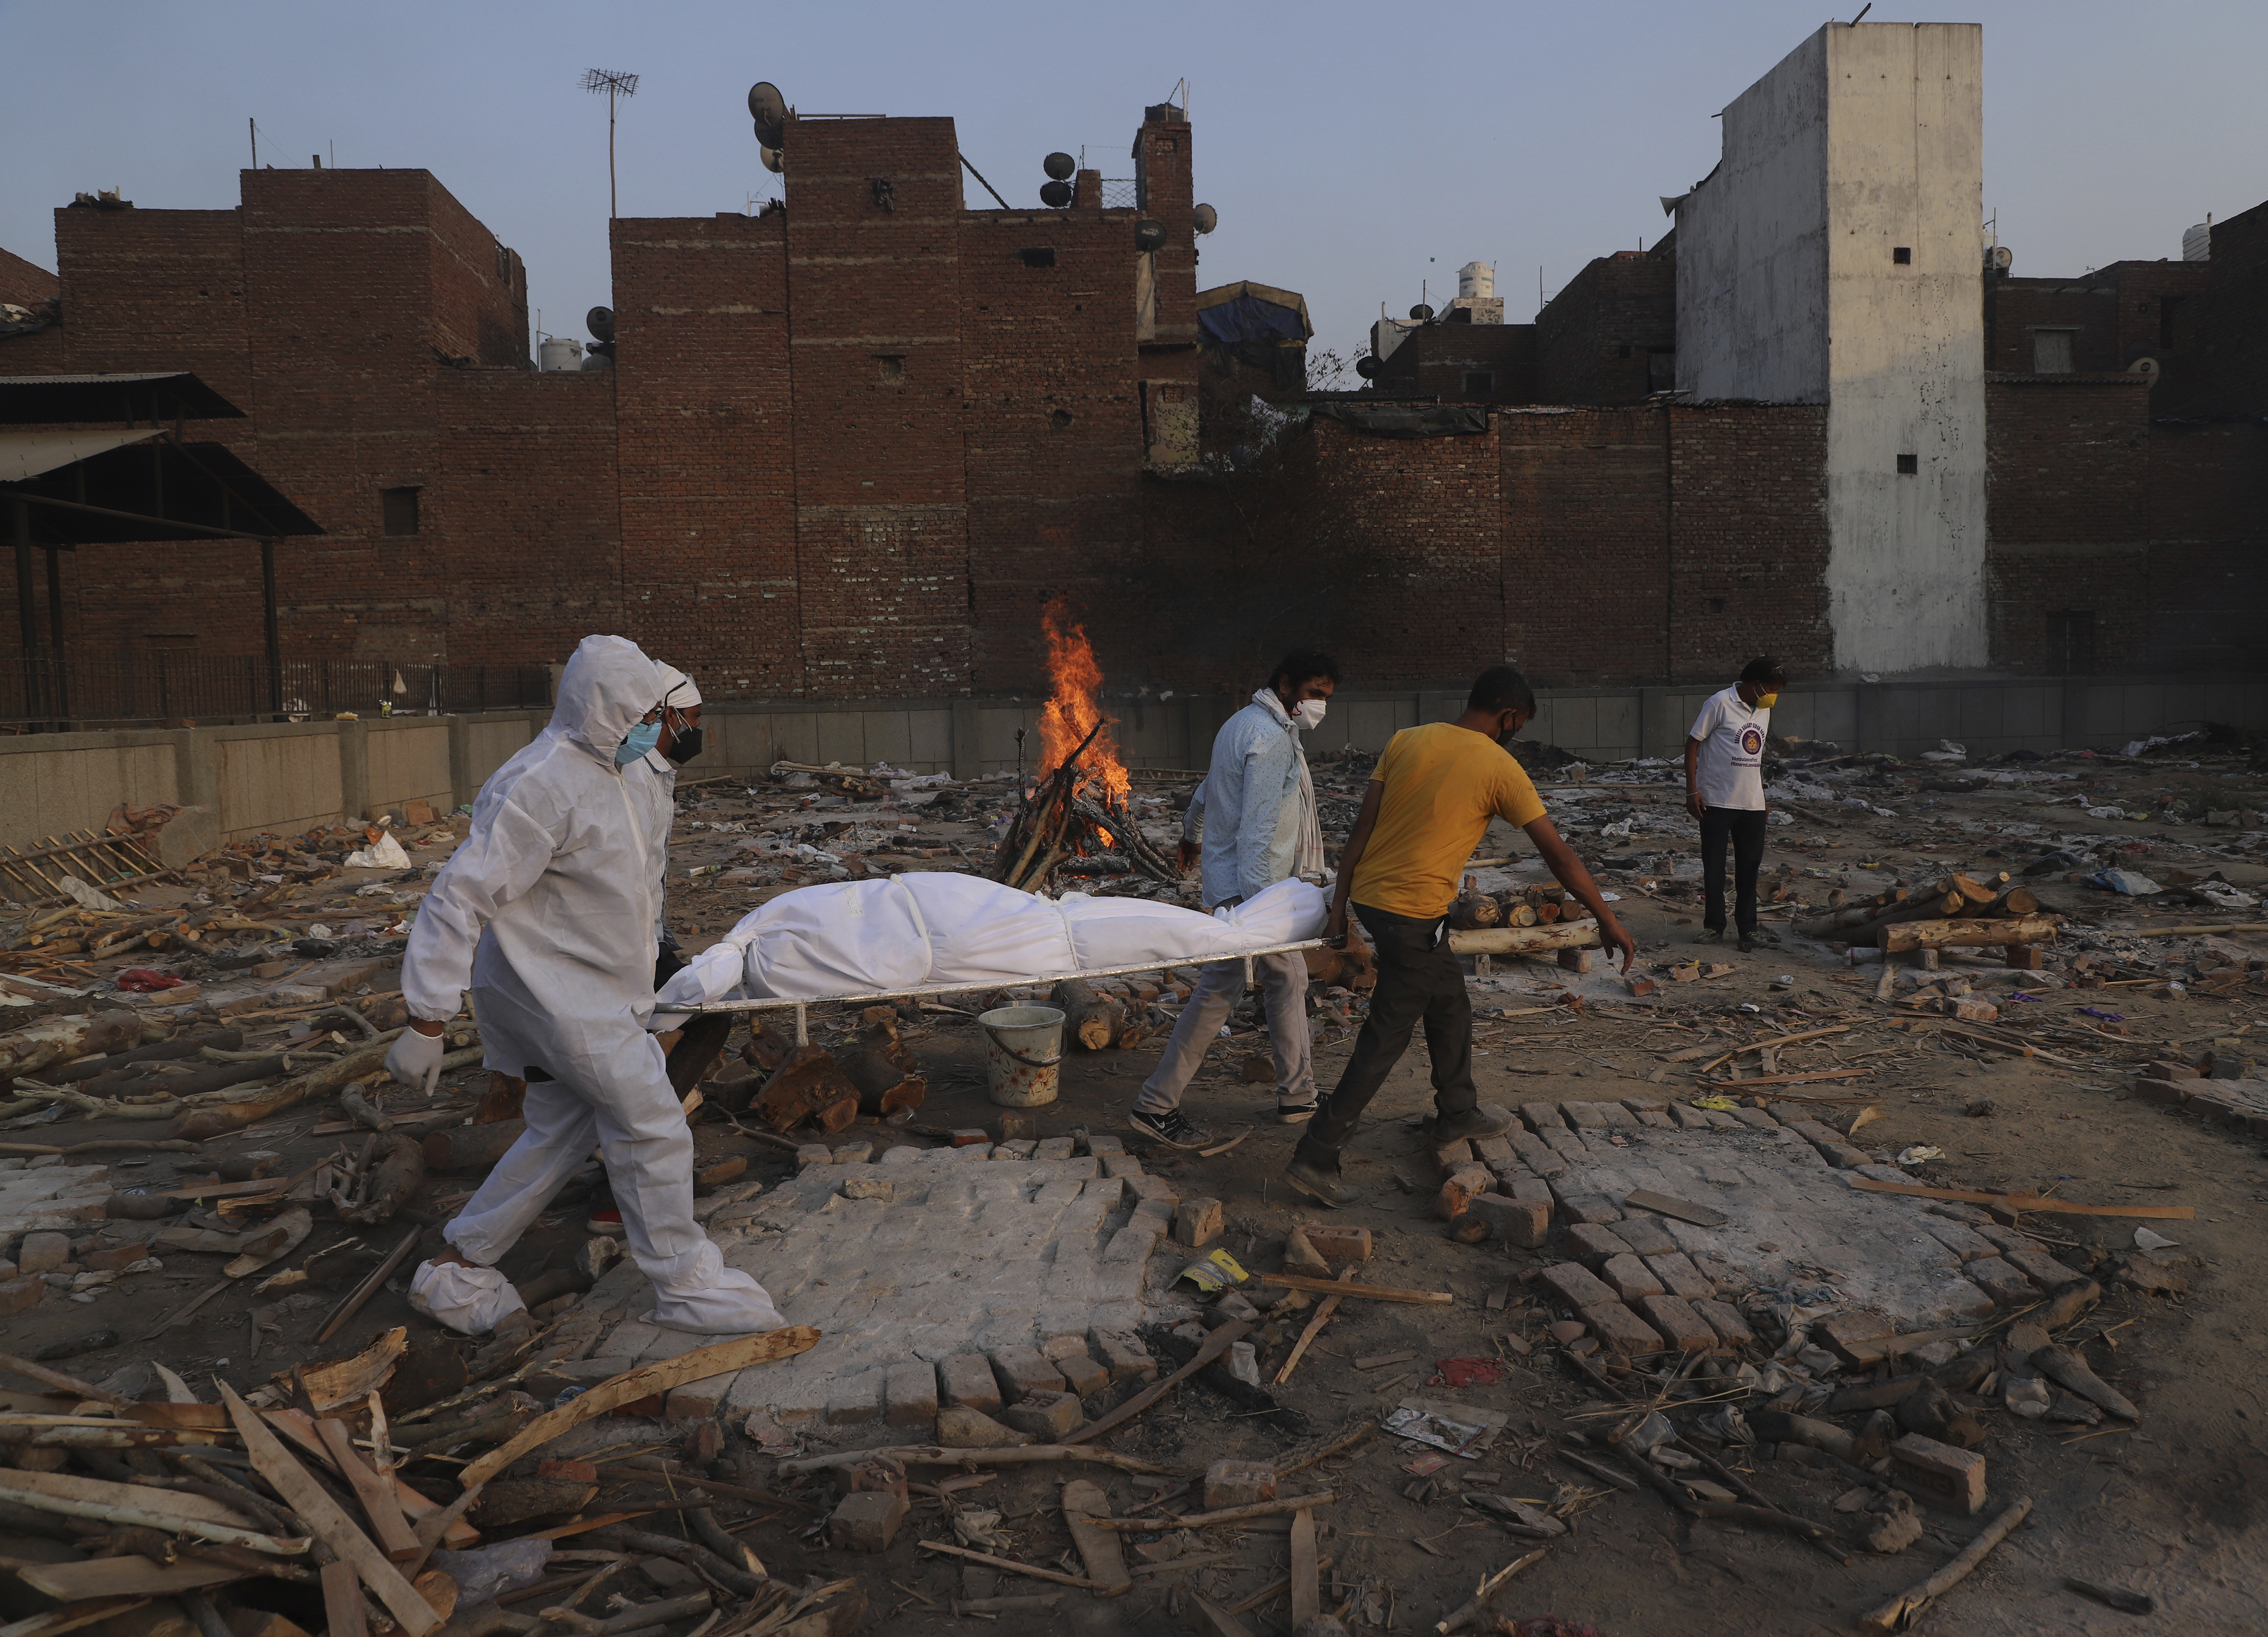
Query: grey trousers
x,y
1284,983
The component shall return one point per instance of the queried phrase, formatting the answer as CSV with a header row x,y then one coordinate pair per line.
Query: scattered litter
x,y
1463,1430
2144,1240
1921,1153
1214,1273
1466,1373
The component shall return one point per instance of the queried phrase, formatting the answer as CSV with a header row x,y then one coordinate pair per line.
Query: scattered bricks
x,y
1061,1346
1589,1209
1969,1246
2043,1269
1645,1234
854,1153
1083,1373
1461,1190
1022,1371
1726,1320
1845,1334
1149,1187
1536,1154
1755,1118
1584,1117
1971,1011
1656,1118
1015,1148
697,1400
1680,1325
1843,1157
813,1153
1541,1118
1055,1149
910,1393
1566,1330
1576,960
1337,1244
2169,1070
1153,1218
1718,1120
1616,1114
1964,1300
43,1253
1678,1275
113,1257
1576,1286
1529,1188
1452,1157
1100,1146
870,1188
1996,1279
959,1427
1238,1483
2173,1093
1493,1152
1641,986
1687,1119
865,1521
1630,1278
1197,1222
855,1401
1591,1243
21,1295
1939,1475
1016,1125
1047,1416
1125,1166
969,1382
1565,1144
972,1137
1124,1357
1524,1223
1621,1330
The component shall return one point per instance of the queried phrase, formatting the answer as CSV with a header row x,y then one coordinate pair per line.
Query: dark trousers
x,y
1418,979
1746,828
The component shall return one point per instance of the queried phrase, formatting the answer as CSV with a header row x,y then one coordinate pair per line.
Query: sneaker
x,y
1485,1121
1710,935
1762,935
1295,1113
606,1224
1748,942
1323,1187
1170,1128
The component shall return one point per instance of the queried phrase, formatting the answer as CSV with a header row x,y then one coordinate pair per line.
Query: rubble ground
x,y
2079,1086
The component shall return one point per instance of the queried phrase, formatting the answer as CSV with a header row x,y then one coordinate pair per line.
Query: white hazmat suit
x,y
547,914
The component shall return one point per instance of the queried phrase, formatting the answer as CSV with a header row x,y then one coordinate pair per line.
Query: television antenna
x,y
614,84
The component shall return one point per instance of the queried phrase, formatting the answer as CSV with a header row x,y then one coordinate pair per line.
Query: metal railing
x,y
45,693
1121,193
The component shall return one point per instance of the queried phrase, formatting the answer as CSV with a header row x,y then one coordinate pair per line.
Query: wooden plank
x,y
344,1614
1369,1293
2027,1202
56,1621
1014,1567
1315,1327
372,1492
294,1424
721,1359
322,1514
172,1503
1683,1209
1217,1342
1083,1501
1307,1581
126,1577
1526,940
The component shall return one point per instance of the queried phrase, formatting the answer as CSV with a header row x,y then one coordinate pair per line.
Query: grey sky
x,y
1351,149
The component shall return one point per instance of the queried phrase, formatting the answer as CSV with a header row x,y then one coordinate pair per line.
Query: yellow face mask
x,y
1764,701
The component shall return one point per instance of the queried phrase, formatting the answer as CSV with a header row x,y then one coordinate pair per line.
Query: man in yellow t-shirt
x,y
1429,803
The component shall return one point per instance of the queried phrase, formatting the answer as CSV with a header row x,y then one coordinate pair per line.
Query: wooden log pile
x,y
1065,817
1954,898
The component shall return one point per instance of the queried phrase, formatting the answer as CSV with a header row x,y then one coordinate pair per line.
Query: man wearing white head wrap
x,y
545,914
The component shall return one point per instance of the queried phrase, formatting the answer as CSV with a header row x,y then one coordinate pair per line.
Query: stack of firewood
x,y
1957,900
1069,815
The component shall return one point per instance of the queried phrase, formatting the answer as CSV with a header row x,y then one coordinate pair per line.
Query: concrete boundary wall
x,y
285,777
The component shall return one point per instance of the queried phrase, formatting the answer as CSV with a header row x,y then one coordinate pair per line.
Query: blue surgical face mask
x,y
641,739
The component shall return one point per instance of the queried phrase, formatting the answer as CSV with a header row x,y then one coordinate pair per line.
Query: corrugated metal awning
x,y
29,455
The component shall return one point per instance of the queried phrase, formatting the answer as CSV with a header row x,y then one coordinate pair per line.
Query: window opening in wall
x,y
2170,308
2051,351
890,368
1902,255
1716,605
1909,464
398,510
2071,642
1480,380
1661,369
1041,255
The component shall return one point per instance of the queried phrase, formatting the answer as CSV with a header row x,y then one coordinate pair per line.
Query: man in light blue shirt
x,y
1255,813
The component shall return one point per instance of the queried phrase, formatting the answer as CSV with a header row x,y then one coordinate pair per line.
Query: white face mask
x,y
1309,714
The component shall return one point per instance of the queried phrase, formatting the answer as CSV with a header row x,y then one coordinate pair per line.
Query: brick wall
x,y
25,283
1597,339
1441,359
2229,373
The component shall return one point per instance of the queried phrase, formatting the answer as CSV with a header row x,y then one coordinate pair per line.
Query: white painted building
x,y
1835,256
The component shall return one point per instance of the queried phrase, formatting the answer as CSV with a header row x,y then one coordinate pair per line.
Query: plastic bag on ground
x,y
385,853
467,1300
487,1572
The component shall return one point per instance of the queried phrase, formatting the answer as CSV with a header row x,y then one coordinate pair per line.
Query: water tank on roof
x,y
560,353
1476,278
2196,244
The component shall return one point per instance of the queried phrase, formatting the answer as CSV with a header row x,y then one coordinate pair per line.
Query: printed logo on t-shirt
x,y
1752,741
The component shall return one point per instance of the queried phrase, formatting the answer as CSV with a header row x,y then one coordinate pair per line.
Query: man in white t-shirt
x,y
1724,790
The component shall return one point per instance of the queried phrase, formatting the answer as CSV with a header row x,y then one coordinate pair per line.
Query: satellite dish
x,y
1148,235
772,159
1060,167
2148,368
1422,314
600,322
1055,195
768,109
1368,367
1999,258
1206,218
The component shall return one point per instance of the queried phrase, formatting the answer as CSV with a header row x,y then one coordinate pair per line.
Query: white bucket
x,y
1022,1047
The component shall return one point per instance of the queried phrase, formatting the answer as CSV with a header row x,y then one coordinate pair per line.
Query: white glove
x,y
469,1300
416,1060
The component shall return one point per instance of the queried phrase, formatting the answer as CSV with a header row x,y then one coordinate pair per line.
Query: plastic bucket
x,y
1022,1046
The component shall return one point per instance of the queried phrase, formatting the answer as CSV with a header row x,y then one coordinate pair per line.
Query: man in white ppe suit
x,y
546,913
1256,813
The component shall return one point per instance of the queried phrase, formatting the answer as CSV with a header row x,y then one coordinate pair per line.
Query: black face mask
x,y
685,744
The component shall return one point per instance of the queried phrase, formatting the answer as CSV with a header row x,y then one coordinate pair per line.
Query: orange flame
x,y
1072,710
